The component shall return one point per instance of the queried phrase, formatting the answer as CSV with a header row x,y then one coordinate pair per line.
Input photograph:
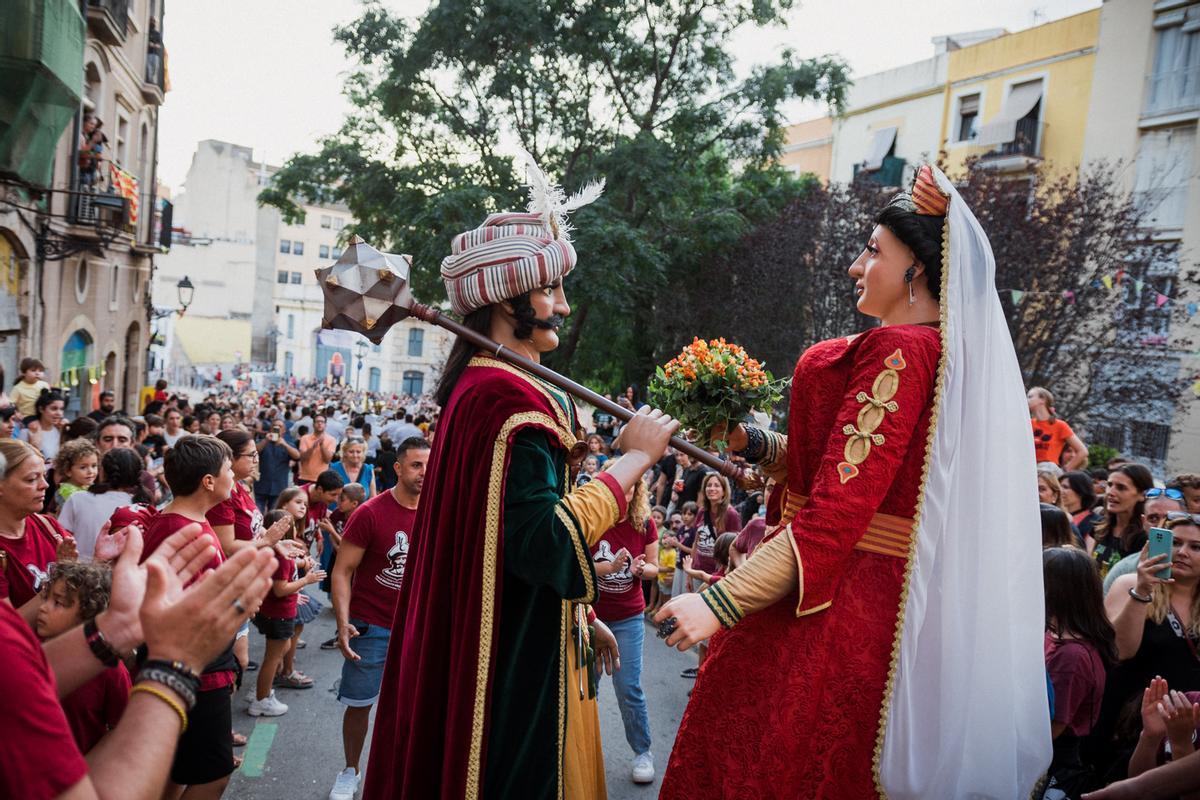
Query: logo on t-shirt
x,y
397,555
706,541
617,582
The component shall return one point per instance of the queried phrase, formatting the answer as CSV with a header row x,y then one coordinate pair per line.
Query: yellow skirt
x,y
583,756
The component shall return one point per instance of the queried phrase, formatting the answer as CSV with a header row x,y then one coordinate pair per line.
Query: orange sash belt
x,y
886,535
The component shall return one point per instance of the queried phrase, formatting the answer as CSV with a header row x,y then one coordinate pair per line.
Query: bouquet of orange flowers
x,y
711,383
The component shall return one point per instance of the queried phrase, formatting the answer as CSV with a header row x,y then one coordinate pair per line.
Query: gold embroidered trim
x,y
487,610
814,609
563,422
875,408
581,555
564,640
938,395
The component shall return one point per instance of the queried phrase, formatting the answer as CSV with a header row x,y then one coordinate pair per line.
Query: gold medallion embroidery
x,y
876,406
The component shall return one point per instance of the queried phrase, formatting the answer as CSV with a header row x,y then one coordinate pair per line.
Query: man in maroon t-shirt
x,y
366,581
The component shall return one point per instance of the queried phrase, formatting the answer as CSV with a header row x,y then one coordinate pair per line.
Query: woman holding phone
x,y
1158,619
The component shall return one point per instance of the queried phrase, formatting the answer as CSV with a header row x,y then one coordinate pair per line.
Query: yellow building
x,y
1022,98
808,148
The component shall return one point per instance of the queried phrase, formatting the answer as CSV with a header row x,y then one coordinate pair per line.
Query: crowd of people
x,y
108,520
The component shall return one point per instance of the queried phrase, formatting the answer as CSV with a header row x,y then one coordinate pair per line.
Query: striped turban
x,y
508,255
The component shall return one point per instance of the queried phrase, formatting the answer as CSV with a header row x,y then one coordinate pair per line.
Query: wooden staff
x,y
434,317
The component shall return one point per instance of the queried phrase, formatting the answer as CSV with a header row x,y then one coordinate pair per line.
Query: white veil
x,y
968,715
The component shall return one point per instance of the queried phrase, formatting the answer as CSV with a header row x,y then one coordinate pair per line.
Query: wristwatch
x,y
1139,597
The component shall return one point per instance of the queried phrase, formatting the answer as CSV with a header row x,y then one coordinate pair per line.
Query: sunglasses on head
x,y
1182,518
1174,494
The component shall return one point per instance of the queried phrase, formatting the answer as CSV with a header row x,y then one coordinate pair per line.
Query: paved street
x,y
295,757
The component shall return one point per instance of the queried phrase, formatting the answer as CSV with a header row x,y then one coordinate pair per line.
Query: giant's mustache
x,y
549,323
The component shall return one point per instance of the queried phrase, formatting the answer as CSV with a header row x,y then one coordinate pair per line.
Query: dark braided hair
x,y
923,235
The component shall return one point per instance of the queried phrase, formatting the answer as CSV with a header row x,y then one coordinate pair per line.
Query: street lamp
x,y
185,291
361,346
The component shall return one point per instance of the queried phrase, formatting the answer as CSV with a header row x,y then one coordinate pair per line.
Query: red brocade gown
x,y
789,701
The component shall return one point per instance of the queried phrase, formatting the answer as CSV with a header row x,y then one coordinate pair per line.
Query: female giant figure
x,y
881,644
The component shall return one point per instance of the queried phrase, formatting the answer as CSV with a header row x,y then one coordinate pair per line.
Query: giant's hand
x,y
694,620
648,432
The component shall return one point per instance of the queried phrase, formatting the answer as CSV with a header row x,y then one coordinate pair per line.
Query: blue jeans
x,y
627,682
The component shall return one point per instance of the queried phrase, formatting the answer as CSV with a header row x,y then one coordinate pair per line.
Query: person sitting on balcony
x,y
154,59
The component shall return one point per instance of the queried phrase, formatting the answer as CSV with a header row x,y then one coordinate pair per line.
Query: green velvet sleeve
x,y
543,542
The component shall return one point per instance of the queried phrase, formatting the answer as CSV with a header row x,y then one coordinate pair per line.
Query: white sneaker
x,y
643,768
345,785
267,707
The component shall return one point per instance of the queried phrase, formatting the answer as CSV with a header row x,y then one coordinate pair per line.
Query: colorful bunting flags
x,y
1160,300
1191,309
1069,296
1017,294
1108,282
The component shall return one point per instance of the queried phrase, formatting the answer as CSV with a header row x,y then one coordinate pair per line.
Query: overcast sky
x,y
268,75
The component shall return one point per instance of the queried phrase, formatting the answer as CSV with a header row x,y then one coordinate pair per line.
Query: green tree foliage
x,y
643,94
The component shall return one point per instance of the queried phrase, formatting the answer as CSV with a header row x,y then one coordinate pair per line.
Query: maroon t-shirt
x,y
384,530
1077,674
29,557
620,595
273,606
751,536
160,528
39,759
137,514
316,513
706,538
96,707
241,512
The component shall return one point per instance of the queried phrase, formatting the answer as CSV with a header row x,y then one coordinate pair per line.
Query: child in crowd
x,y
668,558
76,466
1079,644
682,540
591,465
650,588
276,621
720,555
352,496
73,594
294,502
29,388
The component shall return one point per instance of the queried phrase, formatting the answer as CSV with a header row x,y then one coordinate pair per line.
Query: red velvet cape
x,y
431,728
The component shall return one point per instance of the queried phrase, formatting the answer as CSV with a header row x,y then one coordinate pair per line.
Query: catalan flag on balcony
x,y
127,186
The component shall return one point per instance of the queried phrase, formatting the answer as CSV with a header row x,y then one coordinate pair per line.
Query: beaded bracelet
x,y
99,645
185,672
166,698
173,681
756,443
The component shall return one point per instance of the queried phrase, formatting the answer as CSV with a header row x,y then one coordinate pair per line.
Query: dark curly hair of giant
x,y
480,321
923,235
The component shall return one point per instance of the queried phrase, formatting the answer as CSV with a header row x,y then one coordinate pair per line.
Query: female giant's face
x,y
879,285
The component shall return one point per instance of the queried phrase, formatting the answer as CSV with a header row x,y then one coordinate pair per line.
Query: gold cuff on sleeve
x,y
770,574
595,508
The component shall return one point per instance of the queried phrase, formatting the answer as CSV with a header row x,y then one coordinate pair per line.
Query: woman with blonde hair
x,y
352,465
626,555
1049,490
29,541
